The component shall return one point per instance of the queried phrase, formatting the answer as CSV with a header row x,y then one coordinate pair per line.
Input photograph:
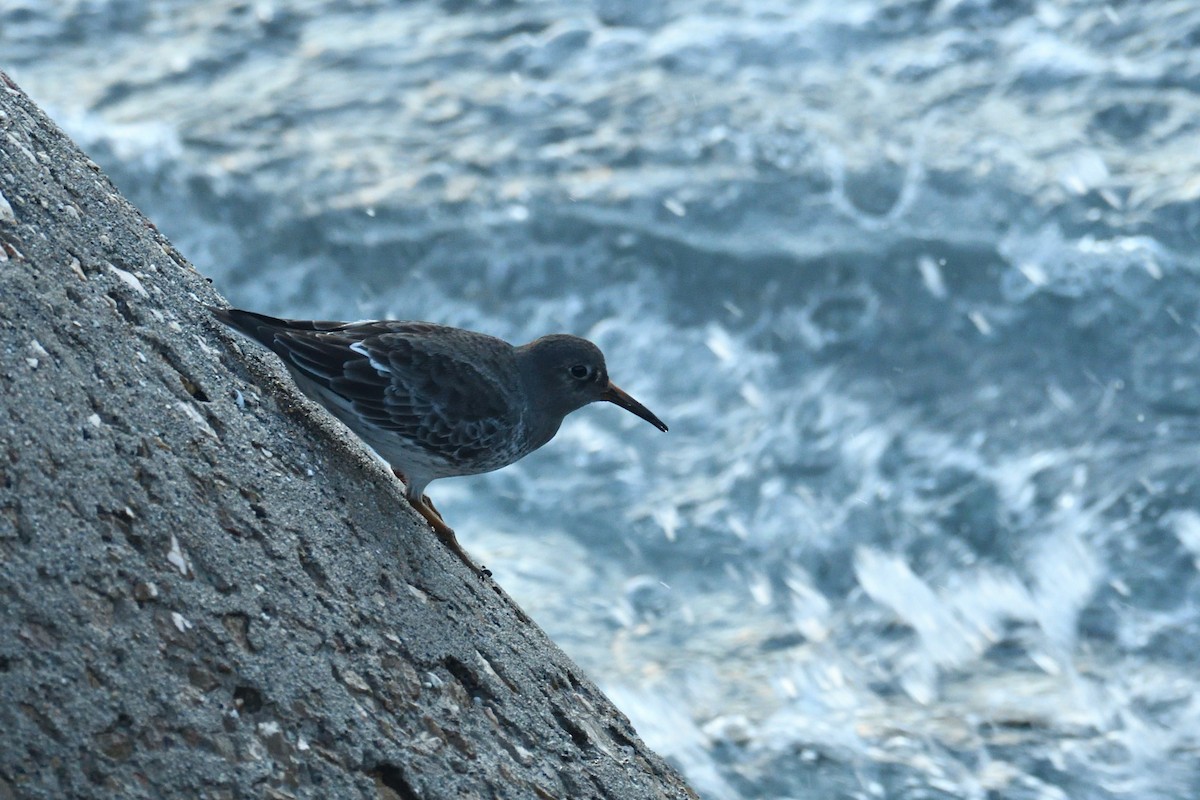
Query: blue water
x,y
914,284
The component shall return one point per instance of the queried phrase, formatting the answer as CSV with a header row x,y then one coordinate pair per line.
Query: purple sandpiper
x,y
436,401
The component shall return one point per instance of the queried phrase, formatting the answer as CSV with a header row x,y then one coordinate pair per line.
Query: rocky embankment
x,y
208,589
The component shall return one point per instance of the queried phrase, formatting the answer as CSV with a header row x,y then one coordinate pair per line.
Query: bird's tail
x,y
258,327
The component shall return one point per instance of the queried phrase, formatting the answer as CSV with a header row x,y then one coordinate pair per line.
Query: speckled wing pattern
x,y
436,387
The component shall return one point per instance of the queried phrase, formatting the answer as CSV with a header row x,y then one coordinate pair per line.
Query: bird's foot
x,y
446,534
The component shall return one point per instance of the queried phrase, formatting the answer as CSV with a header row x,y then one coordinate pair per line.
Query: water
x,y
914,284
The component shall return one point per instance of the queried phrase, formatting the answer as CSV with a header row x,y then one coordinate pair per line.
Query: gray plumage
x,y
436,401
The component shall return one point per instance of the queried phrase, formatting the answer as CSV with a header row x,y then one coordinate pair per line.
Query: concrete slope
x,y
207,587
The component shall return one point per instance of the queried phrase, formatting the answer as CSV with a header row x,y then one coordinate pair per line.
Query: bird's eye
x,y
581,372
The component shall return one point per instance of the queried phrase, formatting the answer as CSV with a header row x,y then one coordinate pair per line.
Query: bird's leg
x,y
424,507
446,534
425,499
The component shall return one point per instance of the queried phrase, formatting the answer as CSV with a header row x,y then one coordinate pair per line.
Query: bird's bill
x,y
614,394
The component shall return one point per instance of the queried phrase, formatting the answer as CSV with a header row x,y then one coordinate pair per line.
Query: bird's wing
x,y
421,381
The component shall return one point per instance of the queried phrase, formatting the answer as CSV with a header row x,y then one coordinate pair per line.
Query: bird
x,y
435,401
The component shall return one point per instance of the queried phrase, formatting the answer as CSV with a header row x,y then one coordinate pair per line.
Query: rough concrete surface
x,y
207,588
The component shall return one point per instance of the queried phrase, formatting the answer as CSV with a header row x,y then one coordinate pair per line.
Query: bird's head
x,y
567,373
